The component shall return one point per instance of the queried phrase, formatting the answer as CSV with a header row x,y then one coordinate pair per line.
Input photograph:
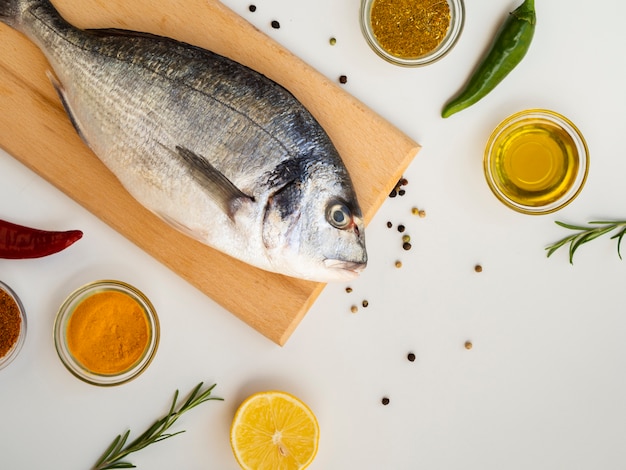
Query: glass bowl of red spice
x,y
412,33
12,325
106,332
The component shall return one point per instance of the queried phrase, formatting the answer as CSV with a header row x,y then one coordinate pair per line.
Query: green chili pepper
x,y
507,50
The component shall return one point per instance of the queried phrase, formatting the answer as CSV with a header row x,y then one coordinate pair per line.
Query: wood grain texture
x,y
36,131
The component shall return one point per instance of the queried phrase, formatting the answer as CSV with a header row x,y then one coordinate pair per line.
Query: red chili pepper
x,y
19,242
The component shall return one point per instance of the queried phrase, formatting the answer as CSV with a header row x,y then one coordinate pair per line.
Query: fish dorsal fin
x,y
66,105
221,189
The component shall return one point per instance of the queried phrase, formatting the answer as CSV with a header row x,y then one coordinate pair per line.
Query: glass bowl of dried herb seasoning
x,y
12,325
106,332
412,33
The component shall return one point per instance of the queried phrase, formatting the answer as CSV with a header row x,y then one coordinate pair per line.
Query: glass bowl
x,y
15,348
106,338
457,18
536,161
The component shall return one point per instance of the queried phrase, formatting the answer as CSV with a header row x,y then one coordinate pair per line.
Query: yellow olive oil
x,y
535,162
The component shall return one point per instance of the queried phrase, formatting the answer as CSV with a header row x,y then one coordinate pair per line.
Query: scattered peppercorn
x,y
401,228
348,289
468,345
478,268
411,357
419,212
332,41
407,246
365,304
389,225
385,401
275,24
343,79
252,8
354,309
397,190
406,238
398,264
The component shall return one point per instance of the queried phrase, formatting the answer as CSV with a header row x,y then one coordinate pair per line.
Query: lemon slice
x,y
275,431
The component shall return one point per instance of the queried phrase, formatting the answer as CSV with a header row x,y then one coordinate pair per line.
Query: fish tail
x,y
16,13
9,11
13,11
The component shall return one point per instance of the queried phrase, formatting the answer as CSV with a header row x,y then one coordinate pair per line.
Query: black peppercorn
x,y
411,357
252,8
401,228
343,79
275,24
406,246
385,401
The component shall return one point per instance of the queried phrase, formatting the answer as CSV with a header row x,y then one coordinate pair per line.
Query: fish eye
x,y
339,215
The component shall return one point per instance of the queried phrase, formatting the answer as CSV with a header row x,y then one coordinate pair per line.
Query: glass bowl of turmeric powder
x,y
12,325
412,33
106,332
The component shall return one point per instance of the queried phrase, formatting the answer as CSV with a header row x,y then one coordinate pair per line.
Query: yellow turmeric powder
x,y
108,332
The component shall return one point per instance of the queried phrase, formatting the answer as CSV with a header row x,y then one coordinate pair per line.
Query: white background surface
x,y
542,388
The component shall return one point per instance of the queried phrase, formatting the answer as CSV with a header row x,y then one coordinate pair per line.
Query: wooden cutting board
x,y
35,130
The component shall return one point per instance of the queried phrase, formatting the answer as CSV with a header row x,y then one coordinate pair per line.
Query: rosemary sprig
x,y
585,234
118,450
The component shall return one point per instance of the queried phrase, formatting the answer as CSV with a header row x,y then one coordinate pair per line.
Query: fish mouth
x,y
350,268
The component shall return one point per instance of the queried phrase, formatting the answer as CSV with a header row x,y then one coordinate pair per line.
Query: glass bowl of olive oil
x,y
536,161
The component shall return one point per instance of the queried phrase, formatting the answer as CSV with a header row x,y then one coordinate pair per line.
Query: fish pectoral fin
x,y
225,194
66,105
180,227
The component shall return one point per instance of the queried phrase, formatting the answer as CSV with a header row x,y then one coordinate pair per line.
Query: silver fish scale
x,y
129,79
216,149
